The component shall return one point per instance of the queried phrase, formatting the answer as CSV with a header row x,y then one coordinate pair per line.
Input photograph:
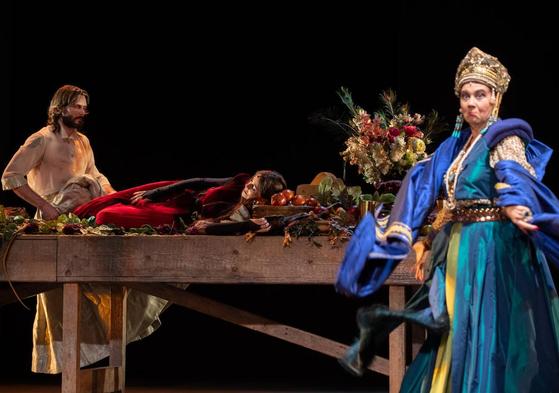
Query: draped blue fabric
x,y
528,191
369,259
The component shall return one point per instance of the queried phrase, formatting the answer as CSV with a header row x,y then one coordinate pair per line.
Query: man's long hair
x,y
64,96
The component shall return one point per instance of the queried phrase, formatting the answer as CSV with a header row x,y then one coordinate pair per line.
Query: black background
x,y
181,91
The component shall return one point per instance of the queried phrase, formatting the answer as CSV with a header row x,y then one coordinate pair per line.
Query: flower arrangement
x,y
390,142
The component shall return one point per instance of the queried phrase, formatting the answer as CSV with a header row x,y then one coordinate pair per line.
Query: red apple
x,y
299,200
289,194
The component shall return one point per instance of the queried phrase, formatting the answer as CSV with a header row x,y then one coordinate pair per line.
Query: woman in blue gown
x,y
489,300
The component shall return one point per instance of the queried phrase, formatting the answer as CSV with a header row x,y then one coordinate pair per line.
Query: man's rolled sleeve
x,y
26,158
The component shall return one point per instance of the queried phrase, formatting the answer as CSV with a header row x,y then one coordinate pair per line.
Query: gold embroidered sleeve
x,y
511,148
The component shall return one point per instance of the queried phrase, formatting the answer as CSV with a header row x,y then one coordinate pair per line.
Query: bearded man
x,y
54,155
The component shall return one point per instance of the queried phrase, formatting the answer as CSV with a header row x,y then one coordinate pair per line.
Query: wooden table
x,y
153,263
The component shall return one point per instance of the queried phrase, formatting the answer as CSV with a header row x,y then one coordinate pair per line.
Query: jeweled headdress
x,y
481,67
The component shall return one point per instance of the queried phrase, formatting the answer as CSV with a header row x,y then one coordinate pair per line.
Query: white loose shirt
x,y
47,160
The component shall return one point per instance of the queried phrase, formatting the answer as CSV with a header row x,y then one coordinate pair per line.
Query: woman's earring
x,y
458,126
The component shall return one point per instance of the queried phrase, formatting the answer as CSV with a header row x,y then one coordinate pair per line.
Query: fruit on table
x,y
299,200
288,194
279,200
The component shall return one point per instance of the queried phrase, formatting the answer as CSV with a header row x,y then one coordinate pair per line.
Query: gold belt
x,y
478,214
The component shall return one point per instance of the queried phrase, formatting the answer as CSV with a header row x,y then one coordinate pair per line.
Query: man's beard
x,y
73,122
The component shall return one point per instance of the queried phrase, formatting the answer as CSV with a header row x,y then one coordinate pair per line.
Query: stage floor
x,y
20,388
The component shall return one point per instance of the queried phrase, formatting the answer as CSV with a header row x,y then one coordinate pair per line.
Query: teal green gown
x,y
497,293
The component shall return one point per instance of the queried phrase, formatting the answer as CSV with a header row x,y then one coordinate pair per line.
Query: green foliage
x,y
305,227
144,230
377,197
345,96
8,225
332,191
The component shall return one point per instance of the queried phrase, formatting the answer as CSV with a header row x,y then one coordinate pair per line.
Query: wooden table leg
x,y
118,335
110,379
71,339
397,340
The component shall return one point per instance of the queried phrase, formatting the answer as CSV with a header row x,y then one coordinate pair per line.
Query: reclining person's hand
x,y
199,227
264,225
137,197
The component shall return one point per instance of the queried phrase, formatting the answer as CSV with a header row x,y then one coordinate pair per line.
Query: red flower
x,y
394,131
410,130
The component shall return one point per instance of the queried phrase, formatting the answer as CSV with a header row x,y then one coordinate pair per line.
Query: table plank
x,y
32,259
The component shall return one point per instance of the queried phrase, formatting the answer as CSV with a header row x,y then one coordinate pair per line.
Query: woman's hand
x,y
199,227
521,217
419,247
137,197
264,225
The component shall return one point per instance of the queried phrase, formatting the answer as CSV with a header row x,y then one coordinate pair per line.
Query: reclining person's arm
x,y
175,189
231,228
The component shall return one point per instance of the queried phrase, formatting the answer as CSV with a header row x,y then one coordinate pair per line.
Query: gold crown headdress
x,y
478,66
481,67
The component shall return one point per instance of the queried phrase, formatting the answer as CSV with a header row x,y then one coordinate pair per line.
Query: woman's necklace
x,y
451,176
